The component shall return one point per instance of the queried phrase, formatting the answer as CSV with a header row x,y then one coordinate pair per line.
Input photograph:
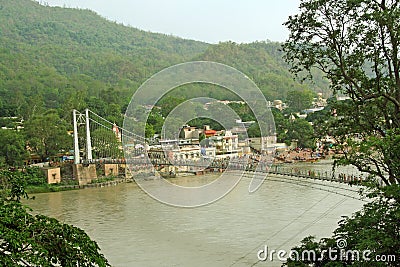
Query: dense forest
x,y
59,58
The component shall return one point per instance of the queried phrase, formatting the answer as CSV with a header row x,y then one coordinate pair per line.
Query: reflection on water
x,y
133,229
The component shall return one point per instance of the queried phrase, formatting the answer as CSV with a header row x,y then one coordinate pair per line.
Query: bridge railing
x,y
137,164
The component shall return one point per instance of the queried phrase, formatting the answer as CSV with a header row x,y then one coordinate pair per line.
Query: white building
x,y
227,145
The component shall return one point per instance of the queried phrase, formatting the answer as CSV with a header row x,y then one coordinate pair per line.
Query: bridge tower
x,y
83,173
78,120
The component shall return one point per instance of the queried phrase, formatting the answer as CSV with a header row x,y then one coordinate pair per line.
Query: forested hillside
x,y
263,63
58,58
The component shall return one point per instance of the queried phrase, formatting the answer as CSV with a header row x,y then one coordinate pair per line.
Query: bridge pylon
x,y
78,120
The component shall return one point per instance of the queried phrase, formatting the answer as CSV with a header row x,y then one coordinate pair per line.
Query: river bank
x,y
321,169
48,188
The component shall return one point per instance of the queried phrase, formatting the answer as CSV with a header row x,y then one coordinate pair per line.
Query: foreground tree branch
x,y
37,240
356,44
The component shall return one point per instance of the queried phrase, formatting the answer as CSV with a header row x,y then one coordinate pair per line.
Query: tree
x,y
356,45
202,137
243,110
37,240
156,120
300,130
106,144
12,147
47,135
299,100
281,124
149,131
168,103
114,114
375,229
254,131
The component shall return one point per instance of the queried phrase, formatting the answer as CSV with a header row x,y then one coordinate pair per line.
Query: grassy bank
x,y
47,188
72,185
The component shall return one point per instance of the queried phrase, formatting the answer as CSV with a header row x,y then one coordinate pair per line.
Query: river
x,y
133,229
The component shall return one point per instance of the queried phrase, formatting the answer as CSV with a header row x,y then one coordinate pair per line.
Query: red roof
x,y
210,132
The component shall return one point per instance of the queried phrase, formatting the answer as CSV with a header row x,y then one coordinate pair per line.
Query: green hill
x,y
263,63
58,58
53,57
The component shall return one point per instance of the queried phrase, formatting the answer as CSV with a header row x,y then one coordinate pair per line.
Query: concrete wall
x,y
111,170
85,173
53,175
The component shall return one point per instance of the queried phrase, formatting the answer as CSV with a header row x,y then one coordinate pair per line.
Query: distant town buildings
x,y
196,143
218,144
319,101
279,104
12,123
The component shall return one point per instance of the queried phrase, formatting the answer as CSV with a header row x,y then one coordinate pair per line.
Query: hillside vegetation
x,y
263,63
54,58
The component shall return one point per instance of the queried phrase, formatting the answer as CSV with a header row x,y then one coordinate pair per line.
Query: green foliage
x,y
201,122
12,147
299,100
10,123
202,137
254,131
375,228
105,144
156,120
167,104
37,240
62,59
300,130
34,176
12,185
368,140
243,110
355,44
281,125
263,63
47,135
149,131
319,117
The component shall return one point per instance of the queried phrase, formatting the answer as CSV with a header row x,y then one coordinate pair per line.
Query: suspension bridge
x,y
100,141
96,138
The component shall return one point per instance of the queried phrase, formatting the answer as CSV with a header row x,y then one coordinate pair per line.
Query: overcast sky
x,y
212,21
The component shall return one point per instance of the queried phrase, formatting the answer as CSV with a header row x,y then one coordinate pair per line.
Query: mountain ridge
x,y
61,58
